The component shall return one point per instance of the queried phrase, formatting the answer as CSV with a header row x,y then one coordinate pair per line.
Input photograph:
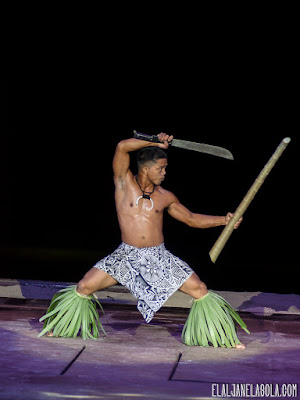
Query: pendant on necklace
x,y
145,196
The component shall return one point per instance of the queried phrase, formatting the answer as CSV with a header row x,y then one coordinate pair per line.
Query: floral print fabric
x,y
152,274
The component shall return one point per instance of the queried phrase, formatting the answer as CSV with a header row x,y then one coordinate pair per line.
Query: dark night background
x,y
57,201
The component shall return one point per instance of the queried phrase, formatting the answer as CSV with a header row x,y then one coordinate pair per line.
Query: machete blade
x,y
185,144
203,148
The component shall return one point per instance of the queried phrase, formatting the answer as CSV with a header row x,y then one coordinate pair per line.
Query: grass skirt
x,y
212,321
71,314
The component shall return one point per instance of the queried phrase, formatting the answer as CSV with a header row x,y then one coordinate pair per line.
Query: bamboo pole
x,y
227,231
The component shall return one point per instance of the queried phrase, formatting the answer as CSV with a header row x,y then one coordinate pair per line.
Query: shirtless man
x,y
140,225
141,262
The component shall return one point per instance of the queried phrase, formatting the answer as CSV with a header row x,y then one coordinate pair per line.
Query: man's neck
x,y
144,183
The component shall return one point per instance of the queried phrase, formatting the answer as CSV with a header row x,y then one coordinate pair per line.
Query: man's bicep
x,y
121,162
180,212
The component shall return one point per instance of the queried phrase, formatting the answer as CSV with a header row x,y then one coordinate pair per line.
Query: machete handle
x,y
148,138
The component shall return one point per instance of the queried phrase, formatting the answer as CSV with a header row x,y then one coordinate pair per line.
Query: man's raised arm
x,y
121,159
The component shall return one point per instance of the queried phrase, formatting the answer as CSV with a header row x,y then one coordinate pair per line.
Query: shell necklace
x,y
146,195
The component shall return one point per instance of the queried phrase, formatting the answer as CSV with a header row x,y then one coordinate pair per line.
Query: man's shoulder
x,y
166,193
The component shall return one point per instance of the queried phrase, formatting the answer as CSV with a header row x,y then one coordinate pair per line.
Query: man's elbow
x,y
121,146
196,221
191,220
126,145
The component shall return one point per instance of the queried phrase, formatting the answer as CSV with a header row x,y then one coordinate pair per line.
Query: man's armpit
x,y
121,182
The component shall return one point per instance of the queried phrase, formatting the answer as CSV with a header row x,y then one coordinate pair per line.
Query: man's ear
x,y
145,170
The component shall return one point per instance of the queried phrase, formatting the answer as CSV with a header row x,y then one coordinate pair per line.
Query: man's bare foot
x,y
240,346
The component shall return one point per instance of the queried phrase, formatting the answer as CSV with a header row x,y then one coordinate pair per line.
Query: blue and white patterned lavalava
x,y
152,274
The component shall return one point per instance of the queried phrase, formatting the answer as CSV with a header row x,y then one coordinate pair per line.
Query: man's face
x,y
157,171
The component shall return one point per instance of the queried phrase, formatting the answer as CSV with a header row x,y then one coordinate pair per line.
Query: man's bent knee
x,y
82,288
95,279
194,287
201,290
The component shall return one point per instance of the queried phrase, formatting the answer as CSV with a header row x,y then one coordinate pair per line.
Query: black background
x,y
57,204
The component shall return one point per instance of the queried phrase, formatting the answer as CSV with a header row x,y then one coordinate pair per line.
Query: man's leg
x,y
94,279
197,289
194,287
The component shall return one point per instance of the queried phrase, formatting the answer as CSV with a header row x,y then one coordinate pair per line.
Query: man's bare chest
x,y
135,202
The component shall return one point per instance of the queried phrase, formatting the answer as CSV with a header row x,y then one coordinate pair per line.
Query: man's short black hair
x,y
149,154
